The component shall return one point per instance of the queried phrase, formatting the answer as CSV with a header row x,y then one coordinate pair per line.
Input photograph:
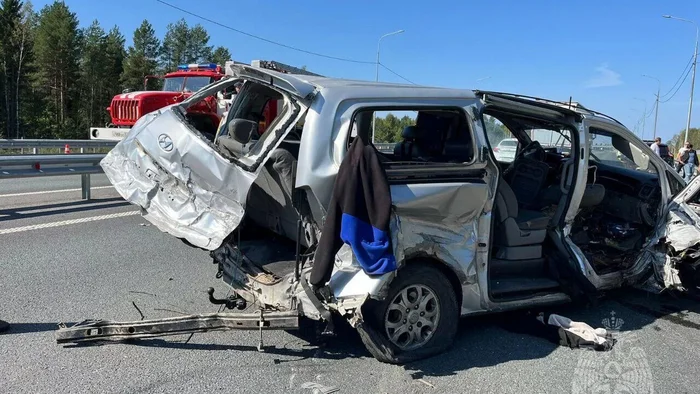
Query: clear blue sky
x,y
593,50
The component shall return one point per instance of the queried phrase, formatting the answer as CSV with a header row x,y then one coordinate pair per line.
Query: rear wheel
x,y
418,318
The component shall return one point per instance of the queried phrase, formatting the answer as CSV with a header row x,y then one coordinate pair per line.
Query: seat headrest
x,y
242,130
411,133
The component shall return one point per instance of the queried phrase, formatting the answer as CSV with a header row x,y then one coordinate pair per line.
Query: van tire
x,y
373,328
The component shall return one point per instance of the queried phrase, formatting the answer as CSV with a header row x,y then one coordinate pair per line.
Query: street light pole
x,y
644,115
379,43
658,92
695,66
376,78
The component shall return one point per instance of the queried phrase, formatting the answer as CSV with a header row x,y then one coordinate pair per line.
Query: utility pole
x,y
376,78
695,66
658,92
644,115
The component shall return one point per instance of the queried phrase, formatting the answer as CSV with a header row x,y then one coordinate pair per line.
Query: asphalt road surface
x,y
64,260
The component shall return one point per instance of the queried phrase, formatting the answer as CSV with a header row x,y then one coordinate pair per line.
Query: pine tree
x,y
115,55
101,61
10,64
142,58
198,50
175,46
184,45
92,65
220,56
57,49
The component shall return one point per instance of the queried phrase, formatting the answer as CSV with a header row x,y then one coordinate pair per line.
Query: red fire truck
x,y
128,107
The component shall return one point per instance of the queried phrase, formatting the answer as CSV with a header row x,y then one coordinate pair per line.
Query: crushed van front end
x,y
181,185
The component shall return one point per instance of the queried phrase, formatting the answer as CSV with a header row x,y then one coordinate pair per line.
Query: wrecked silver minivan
x,y
583,206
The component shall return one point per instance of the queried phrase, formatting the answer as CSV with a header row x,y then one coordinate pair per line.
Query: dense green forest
x,y
56,79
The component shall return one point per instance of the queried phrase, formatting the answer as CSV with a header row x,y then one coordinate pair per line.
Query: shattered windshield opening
x,y
262,108
611,149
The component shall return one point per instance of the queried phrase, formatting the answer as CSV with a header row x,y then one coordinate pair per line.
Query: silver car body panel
x,y
179,179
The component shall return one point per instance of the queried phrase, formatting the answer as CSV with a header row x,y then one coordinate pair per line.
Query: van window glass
x,y
411,135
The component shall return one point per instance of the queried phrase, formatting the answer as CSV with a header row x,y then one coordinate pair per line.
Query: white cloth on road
x,y
578,334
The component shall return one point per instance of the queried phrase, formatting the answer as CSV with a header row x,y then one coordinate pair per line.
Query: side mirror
x,y
242,130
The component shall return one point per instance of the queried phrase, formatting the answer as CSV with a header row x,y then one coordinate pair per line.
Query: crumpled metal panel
x,y
681,230
681,233
186,188
432,220
440,221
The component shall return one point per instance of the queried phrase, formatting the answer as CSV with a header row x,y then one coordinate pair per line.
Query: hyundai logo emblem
x,y
165,142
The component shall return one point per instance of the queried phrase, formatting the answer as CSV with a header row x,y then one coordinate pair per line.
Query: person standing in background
x,y
655,146
681,151
690,163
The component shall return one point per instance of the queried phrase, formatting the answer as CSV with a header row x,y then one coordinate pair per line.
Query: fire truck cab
x,y
126,108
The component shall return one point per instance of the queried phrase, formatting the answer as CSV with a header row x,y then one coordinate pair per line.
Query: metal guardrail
x,y
34,145
27,166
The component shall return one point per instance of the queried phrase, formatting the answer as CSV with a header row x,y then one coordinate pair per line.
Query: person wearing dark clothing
x,y
690,163
358,215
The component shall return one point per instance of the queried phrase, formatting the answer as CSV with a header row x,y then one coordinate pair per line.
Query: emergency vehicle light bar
x,y
194,66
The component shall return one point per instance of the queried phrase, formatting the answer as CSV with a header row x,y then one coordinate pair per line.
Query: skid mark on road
x,y
66,222
52,191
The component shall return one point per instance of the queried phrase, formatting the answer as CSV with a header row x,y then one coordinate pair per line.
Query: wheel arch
x,y
443,268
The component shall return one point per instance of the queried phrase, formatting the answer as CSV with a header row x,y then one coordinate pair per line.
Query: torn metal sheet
x,y
182,185
682,230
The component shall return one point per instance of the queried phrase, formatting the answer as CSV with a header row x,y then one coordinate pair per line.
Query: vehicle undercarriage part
x,y
232,301
105,330
323,311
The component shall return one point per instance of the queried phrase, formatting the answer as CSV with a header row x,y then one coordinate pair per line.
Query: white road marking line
x,y
52,191
66,222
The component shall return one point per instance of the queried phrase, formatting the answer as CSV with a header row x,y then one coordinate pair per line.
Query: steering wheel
x,y
532,151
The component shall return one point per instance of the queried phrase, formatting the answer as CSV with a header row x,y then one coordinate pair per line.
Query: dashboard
x,y
630,195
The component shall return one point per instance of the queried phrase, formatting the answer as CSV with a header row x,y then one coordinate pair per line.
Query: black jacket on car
x,y
358,215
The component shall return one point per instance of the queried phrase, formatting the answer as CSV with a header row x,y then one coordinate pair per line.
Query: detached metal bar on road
x,y
28,166
103,330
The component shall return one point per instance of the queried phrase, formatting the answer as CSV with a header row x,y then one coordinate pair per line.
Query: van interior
x,y
617,213
524,258
611,232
